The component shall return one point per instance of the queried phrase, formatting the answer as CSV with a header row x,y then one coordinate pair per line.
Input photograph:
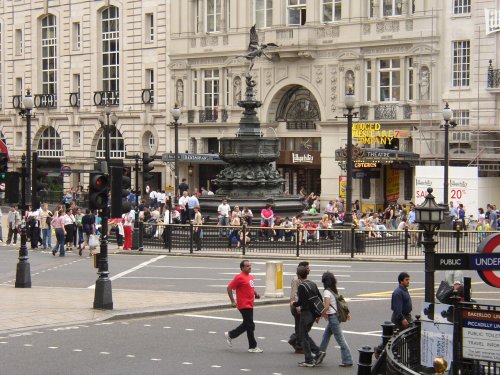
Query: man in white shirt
x,y
161,200
223,215
183,203
152,199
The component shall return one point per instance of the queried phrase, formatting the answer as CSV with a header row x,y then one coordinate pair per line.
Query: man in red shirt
x,y
245,295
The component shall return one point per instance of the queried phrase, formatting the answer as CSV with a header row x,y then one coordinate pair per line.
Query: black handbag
x,y
444,292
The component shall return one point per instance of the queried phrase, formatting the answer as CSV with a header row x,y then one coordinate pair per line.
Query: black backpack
x,y
314,298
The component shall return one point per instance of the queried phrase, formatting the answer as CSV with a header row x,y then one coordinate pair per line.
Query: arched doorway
x,y
299,162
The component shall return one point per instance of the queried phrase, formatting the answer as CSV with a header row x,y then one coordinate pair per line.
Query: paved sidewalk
x,y
38,307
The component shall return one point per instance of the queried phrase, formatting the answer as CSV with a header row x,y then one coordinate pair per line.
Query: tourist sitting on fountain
x,y
247,215
234,234
287,232
312,234
278,232
223,216
267,216
325,223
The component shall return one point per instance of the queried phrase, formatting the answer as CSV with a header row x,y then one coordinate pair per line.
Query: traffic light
x,y
39,181
120,190
146,169
4,159
98,191
12,187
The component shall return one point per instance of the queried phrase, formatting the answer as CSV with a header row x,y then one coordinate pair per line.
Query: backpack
x,y
342,308
314,298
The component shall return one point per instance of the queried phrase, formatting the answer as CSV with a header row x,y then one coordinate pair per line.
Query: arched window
x,y
116,145
110,36
50,144
49,55
299,109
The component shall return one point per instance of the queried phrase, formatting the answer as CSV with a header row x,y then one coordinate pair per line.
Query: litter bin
x,y
360,242
274,279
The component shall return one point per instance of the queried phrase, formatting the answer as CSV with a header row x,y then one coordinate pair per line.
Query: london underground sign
x,y
489,247
486,261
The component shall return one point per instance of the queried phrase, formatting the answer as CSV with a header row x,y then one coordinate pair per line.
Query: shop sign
x,y
360,164
372,132
342,186
299,158
366,173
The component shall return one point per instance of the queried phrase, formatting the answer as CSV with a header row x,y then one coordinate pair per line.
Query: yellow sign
x,y
392,184
371,132
169,188
359,164
342,186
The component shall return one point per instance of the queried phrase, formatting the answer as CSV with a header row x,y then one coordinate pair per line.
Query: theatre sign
x,y
367,133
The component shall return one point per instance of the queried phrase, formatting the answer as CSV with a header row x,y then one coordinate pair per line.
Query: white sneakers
x,y
255,350
229,341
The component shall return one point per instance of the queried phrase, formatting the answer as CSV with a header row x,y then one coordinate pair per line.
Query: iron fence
x,y
403,353
299,242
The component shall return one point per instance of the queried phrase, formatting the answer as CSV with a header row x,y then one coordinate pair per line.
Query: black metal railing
x,y
147,96
209,115
103,98
74,99
493,76
45,100
291,241
403,352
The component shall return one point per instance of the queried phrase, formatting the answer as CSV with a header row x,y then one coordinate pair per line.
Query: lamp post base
x,y
103,298
23,275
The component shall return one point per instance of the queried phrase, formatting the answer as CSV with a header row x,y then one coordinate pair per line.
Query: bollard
x,y
274,279
387,332
365,360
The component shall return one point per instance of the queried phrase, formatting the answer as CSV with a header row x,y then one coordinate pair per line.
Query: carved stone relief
x,y
333,88
209,41
318,72
424,83
349,81
409,25
387,27
327,32
237,90
268,74
367,29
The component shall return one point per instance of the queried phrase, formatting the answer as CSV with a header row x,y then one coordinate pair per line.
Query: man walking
x,y
244,285
294,341
13,221
401,303
305,290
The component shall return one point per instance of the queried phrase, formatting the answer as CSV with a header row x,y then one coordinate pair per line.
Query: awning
x,y
193,158
378,155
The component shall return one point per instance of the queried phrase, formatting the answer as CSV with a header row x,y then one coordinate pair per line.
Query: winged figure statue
x,y
256,49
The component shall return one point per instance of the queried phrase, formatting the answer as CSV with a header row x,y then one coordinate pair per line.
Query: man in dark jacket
x,y
401,305
305,289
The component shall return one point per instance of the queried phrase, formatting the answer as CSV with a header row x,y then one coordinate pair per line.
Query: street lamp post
x,y
23,270
176,114
447,115
27,107
103,298
429,216
349,101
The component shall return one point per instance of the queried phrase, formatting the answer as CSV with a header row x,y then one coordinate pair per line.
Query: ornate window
x,y
368,83
392,8
214,15
331,10
411,79
49,55
461,7
111,50
461,63
263,13
116,144
299,109
211,88
462,117
296,12
50,144
389,79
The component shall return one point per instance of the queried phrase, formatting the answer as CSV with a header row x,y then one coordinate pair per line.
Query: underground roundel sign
x,y
490,247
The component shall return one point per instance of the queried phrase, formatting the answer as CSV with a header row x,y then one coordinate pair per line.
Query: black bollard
x,y
365,360
387,332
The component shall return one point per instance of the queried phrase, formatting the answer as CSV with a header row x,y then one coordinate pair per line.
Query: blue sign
x,y
485,261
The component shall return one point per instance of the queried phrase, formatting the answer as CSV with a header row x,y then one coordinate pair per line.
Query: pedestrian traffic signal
x,y
98,191
126,188
12,187
147,168
39,181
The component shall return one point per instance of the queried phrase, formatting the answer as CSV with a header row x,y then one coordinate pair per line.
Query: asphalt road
x,y
194,343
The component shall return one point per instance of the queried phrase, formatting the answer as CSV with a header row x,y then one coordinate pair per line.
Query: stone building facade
x,y
403,58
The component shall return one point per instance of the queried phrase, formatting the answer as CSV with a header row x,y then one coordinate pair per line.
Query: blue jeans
x,y
60,240
333,327
47,238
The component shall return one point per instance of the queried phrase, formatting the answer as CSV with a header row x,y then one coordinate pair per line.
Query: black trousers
x,y
294,338
308,345
248,325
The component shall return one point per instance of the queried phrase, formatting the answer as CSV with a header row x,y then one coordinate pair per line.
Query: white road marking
x,y
190,329
272,324
167,327
53,347
133,269
186,363
245,369
147,325
77,350
3,342
130,356
155,359
28,345
104,353
216,366
212,332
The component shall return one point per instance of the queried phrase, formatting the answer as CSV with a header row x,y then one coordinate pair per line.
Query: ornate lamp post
x,y
103,298
349,101
26,111
23,270
429,216
176,114
447,115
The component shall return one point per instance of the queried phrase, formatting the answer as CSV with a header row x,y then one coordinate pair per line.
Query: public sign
x,y
490,246
169,188
481,335
462,186
451,261
436,341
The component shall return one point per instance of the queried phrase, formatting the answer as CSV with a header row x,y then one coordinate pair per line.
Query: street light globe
x,y
28,101
176,112
113,118
447,112
349,99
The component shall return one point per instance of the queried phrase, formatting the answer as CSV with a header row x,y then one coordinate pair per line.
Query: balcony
x,y
103,98
207,115
45,100
74,99
384,111
147,96
493,78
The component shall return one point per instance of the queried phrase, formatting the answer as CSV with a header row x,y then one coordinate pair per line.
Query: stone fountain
x,y
249,179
